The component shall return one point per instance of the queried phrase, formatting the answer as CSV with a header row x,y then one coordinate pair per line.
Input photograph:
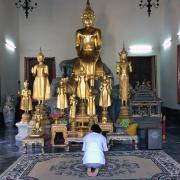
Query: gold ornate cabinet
x,y
55,128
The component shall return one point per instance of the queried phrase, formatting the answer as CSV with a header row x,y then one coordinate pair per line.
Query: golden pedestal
x,y
105,116
107,127
42,110
93,120
82,131
124,114
58,128
72,124
82,119
38,135
82,115
72,133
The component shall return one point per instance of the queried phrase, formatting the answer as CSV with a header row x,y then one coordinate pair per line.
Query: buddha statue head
x,y
61,83
82,69
40,56
26,84
88,15
90,92
123,55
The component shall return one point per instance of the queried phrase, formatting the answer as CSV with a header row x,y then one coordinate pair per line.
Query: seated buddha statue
x,y
88,45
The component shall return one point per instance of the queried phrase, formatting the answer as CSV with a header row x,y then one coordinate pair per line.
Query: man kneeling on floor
x,y
94,144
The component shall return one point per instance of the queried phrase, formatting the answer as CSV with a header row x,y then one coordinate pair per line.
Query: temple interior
x,y
66,65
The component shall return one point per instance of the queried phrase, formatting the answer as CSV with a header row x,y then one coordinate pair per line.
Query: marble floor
x,y
9,152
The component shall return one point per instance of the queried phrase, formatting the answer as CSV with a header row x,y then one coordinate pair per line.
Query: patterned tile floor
x,y
9,152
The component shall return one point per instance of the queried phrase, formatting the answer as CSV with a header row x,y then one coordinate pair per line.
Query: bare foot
x,y
95,173
89,173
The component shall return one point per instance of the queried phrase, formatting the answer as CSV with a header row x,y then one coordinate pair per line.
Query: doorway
x,y
143,69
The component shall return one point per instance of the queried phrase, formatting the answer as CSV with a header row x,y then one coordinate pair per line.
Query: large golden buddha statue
x,y
41,86
88,45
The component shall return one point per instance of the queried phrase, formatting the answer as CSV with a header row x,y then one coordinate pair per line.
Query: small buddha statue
x,y
82,84
62,101
72,104
105,92
26,101
123,68
105,97
88,45
41,86
91,107
72,111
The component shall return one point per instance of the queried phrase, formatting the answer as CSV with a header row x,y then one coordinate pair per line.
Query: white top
x,y
93,146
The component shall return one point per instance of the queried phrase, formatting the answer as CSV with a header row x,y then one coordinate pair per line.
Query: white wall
x,y
170,28
53,24
9,61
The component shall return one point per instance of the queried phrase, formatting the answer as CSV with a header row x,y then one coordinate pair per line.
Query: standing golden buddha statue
x,y
41,86
82,84
105,96
62,101
88,45
72,104
26,102
72,111
105,92
82,92
123,69
91,107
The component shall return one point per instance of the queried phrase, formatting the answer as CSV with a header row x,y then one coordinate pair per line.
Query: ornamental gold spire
x,y
123,54
88,7
88,10
40,53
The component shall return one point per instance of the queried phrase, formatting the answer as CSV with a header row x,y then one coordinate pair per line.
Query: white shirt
x,y
93,146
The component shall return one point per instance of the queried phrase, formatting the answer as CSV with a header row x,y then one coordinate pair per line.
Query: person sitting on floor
x,y
94,144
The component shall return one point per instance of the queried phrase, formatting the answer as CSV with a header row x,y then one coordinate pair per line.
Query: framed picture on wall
x,y
29,62
178,74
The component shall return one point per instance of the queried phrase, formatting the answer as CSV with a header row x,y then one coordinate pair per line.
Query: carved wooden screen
x,y
29,62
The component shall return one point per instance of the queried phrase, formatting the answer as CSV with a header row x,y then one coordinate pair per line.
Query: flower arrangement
x,y
57,118
125,123
130,127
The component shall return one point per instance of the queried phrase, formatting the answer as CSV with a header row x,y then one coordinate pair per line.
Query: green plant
x,y
125,123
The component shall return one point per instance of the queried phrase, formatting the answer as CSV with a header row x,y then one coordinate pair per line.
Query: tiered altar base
x,y
77,134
